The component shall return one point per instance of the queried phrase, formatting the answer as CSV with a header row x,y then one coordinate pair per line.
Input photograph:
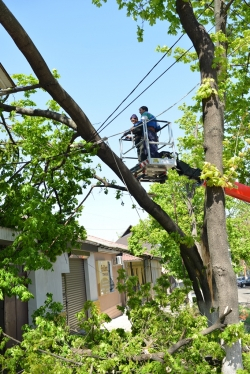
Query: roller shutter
x,y
64,293
75,290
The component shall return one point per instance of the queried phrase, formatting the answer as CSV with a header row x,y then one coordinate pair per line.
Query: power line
x,y
147,88
106,138
65,154
165,54
100,128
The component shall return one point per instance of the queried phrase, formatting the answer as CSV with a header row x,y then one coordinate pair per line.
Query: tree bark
x,y
190,256
224,291
222,277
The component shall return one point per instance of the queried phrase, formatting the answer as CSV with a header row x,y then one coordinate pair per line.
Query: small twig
x,y
109,185
228,5
67,153
19,170
45,352
7,129
77,208
105,184
183,333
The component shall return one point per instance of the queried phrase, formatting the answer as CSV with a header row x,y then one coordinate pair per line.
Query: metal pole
x,y
145,132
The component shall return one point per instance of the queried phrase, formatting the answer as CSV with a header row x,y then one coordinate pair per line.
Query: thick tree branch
x,y
216,326
174,348
19,89
159,356
62,118
150,356
190,256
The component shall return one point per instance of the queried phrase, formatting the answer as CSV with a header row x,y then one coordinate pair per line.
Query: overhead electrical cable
x,y
165,54
158,115
100,128
43,159
147,88
178,59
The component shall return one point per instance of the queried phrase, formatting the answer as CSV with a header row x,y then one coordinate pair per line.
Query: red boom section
x,y
241,193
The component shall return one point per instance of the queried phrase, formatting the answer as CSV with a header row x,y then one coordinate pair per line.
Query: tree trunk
x,y
222,277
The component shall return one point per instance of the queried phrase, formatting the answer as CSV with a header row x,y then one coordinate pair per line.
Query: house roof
x,y
128,257
124,240
127,231
106,244
120,248
126,235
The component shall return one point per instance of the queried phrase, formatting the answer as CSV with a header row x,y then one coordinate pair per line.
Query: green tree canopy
x,y
218,55
42,177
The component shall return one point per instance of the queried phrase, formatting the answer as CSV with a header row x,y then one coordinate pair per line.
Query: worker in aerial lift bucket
x,y
152,128
138,138
137,129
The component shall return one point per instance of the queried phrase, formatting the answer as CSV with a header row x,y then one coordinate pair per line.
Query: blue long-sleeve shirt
x,y
152,120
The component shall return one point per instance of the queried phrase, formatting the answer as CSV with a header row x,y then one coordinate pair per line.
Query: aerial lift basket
x,y
152,169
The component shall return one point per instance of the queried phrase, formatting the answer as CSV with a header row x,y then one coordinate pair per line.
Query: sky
x,y
96,52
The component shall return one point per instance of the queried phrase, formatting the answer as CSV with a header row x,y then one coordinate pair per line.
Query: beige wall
x,y
109,301
147,271
152,270
137,270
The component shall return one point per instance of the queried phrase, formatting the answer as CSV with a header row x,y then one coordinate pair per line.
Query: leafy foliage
x,y
157,324
231,59
41,178
43,188
183,202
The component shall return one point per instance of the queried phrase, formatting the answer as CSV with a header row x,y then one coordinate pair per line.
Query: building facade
x,y
87,273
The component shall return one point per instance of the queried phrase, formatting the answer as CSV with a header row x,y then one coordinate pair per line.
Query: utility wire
x,y
183,97
99,129
44,159
147,88
166,110
106,138
165,54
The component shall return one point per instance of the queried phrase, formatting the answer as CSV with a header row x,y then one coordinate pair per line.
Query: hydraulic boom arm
x,y
242,192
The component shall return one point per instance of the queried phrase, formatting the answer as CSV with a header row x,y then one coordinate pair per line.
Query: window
x,y
112,285
104,277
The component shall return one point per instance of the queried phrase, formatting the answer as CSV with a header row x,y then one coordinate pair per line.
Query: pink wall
x,y
109,301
